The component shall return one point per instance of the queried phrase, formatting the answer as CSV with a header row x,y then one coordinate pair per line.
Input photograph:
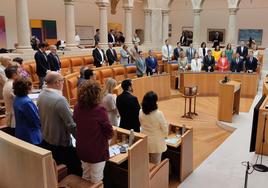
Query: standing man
x,y
190,53
53,59
177,51
111,37
111,54
98,55
209,62
11,74
237,64
128,107
251,63
242,50
42,64
57,123
167,52
97,36
151,64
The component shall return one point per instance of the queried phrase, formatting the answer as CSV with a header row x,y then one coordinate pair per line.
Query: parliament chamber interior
x,y
133,93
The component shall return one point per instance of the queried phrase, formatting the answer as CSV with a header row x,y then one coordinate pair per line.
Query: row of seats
x,y
118,72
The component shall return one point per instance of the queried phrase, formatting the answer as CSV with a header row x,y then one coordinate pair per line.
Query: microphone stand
x,y
246,176
260,167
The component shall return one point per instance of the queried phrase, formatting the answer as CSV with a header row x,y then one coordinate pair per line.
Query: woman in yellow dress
x,y
217,53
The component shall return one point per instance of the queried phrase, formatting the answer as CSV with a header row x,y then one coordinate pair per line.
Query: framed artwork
x,y
254,34
44,30
3,39
86,34
115,26
212,33
188,31
169,30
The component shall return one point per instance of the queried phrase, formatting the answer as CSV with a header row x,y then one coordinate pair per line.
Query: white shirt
x,y
9,99
196,65
167,52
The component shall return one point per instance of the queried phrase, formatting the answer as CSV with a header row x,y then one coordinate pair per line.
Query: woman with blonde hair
x,y
109,101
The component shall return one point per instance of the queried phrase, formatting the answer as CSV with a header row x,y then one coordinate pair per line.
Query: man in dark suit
x,y
177,51
209,62
42,64
111,54
128,107
151,64
251,63
183,39
237,64
111,37
242,50
98,55
53,59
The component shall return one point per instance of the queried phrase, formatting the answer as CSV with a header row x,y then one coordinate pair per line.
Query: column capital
x,y
68,2
102,4
147,11
197,11
232,11
165,12
127,8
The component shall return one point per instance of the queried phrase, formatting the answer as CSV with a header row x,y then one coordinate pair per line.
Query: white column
x,y
148,26
103,23
231,32
23,26
165,22
128,24
69,24
196,37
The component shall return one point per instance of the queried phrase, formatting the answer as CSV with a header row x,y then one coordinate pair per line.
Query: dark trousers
x,y
66,156
41,81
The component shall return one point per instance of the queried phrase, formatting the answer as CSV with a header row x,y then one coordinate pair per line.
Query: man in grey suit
x,y
190,53
57,123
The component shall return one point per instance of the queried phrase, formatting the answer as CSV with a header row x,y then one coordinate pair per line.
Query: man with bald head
x,y
57,123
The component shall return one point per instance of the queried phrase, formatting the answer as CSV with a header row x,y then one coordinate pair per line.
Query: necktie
x,y
168,51
191,52
112,52
196,63
45,56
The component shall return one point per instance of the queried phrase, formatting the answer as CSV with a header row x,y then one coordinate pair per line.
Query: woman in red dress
x,y
223,64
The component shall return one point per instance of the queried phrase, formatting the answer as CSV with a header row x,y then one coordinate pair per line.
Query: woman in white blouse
x,y
203,50
255,51
196,64
109,101
154,125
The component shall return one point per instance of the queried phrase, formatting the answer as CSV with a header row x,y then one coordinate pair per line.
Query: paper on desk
x,y
173,140
114,150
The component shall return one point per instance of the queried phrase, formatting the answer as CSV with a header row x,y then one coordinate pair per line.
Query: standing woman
x,y
93,131
203,50
217,53
109,101
140,64
124,60
196,63
154,125
229,52
28,126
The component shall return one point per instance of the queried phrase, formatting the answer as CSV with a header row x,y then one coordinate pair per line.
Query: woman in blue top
x,y
28,127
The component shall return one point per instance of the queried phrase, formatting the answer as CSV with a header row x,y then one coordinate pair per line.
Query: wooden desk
x,y
208,83
229,100
261,118
160,84
180,154
265,86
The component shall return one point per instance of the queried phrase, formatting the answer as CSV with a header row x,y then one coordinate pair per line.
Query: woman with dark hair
x,y
203,50
22,72
216,53
28,126
229,52
93,131
154,125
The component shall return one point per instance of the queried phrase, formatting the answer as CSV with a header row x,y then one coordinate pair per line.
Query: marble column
x,y
128,24
103,23
165,24
231,32
148,26
23,26
196,32
69,25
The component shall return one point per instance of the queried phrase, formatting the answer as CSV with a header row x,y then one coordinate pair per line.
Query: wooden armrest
x,y
62,172
159,175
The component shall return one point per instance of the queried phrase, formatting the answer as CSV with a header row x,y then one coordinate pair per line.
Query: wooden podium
x,y
229,100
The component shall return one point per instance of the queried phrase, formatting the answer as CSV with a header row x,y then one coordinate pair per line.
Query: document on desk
x,y
173,140
114,150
